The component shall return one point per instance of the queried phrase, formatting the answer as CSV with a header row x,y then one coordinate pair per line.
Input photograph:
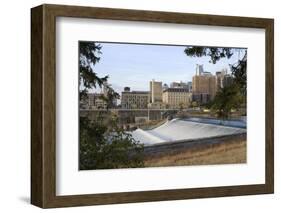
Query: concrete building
x,y
155,91
177,98
204,86
134,99
96,100
93,101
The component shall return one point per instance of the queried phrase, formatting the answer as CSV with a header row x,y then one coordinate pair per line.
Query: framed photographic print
x,y
137,106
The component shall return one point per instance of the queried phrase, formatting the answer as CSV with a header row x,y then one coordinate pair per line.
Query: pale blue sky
x,y
134,65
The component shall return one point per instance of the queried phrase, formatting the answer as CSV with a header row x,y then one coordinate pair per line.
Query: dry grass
x,y
224,153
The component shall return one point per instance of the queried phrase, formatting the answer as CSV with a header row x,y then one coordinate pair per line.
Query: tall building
x,y
223,79
134,99
176,98
219,78
199,69
155,91
204,85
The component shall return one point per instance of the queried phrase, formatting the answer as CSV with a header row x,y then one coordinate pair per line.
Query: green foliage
x,y
226,99
240,75
194,104
89,55
181,106
110,96
107,147
215,53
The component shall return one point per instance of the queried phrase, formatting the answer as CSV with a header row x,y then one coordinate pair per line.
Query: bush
x,y
103,145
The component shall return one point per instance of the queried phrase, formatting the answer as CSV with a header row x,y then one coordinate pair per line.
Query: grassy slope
x,y
225,153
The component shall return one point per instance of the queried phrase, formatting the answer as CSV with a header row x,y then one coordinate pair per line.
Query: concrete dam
x,y
186,129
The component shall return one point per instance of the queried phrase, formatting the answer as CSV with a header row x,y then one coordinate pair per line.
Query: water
x,y
241,123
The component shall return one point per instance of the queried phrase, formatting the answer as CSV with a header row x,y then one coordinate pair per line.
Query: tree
x,y
226,99
215,53
194,104
103,144
239,72
107,147
89,55
181,105
110,97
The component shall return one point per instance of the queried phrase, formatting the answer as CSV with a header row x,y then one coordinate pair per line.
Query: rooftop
x,y
135,92
176,90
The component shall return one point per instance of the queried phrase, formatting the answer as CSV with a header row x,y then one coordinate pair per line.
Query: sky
x,y
134,65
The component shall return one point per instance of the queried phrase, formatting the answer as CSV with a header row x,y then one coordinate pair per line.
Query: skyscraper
x,y
155,91
204,85
220,76
199,69
223,79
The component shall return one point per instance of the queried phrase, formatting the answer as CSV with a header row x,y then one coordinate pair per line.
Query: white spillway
x,y
177,129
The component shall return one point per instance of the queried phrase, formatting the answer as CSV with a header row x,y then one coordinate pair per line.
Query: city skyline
x,y
142,62
168,97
